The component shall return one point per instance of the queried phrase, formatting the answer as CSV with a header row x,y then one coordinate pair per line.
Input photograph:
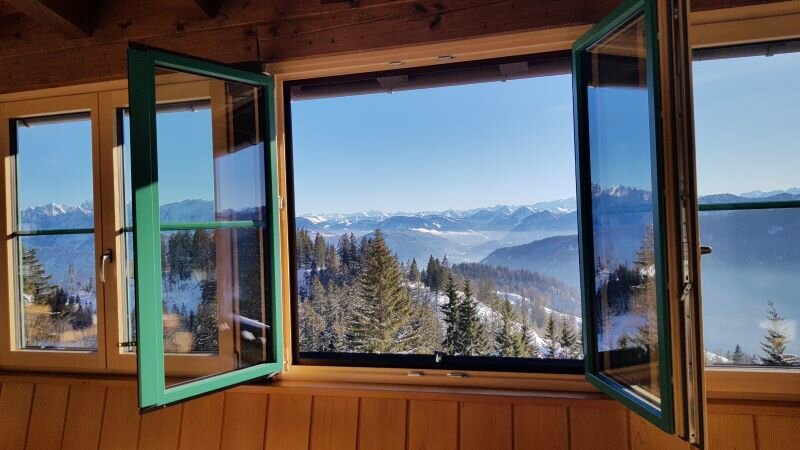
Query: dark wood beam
x,y
194,9
71,18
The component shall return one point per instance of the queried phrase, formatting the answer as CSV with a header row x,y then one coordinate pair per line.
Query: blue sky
x,y
434,149
747,116
55,163
457,147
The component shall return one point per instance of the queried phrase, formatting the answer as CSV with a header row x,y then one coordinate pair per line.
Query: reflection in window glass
x,y
746,106
54,236
623,222
212,201
440,219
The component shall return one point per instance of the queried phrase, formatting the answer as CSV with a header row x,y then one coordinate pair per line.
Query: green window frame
x,y
142,65
663,416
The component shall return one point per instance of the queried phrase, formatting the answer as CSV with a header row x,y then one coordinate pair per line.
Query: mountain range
x,y
755,253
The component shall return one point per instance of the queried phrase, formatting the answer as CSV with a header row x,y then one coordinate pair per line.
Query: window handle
x,y
106,258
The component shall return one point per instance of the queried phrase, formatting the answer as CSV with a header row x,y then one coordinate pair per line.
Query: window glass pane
x,y
746,129
212,197
54,172
750,306
747,159
59,308
437,225
625,291
54,239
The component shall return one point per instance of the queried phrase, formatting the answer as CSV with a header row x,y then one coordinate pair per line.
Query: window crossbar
x,y
743,206
53,232
213,225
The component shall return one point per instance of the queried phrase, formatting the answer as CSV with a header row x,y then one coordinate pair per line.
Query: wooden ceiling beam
x,y
194,9
73,19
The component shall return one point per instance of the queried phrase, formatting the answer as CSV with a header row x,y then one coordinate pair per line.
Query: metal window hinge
x,y
127,344
687,289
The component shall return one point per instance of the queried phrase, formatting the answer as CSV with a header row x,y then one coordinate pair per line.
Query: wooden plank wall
x,y
70,414
33,56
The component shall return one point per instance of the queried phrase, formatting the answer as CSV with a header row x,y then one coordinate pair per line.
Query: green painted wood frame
x,y
662,416
142,65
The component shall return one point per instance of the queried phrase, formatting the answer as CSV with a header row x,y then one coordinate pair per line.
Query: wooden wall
x,y
35,56
52,413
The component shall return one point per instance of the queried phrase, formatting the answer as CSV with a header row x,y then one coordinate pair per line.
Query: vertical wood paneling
x,y
777,432
15,405
160,429
204,413
536,426
120,429
84,417
382,424
51,415
646,436
288,422
244,419
46,424
731,431
486,425
334,423
598,428
432,425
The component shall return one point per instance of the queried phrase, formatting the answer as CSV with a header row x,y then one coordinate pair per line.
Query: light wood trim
x,y
529,42
754,383
747,24
10,355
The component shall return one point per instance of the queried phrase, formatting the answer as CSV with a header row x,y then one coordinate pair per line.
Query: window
x,y
56,313
206,261
434,218
159,216
54,237
746,103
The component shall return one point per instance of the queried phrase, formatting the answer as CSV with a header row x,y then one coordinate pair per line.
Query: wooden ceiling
x,y
78,18
46,43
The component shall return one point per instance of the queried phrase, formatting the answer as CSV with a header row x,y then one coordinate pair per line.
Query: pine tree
x,y
204,250
331,260
643,300
432,273
738,356
35,280
206,338
425,324
550,337
303,248
568,340
320,251
343,249
452,344
531,348
413,272
382,324
508,342
471,329
773,346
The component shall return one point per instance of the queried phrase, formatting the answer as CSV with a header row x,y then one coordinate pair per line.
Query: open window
x,y
637,227
204,224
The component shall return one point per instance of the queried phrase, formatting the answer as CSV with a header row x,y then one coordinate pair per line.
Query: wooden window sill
x,y
724,386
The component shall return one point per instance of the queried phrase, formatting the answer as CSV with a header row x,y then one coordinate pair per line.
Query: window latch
x,y
127,344
105,259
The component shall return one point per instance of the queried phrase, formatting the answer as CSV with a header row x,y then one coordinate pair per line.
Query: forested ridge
x,y
356,296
